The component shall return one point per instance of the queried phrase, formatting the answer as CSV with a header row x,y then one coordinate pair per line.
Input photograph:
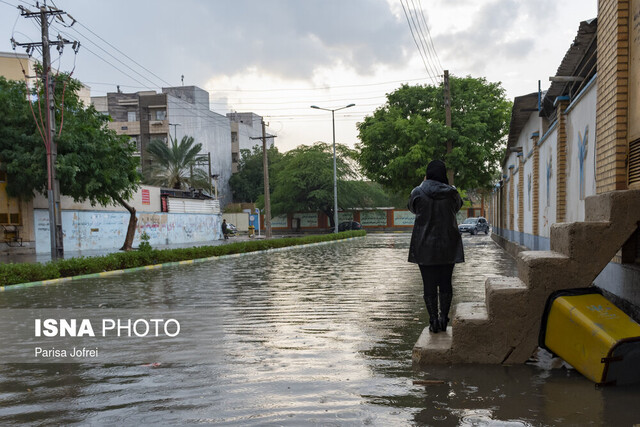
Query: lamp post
x,y
335,174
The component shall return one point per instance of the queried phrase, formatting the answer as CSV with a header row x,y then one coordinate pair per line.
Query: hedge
x,y
11,274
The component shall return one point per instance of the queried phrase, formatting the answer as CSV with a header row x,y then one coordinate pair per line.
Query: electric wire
x,y
423,40
416,42
433,48
418,29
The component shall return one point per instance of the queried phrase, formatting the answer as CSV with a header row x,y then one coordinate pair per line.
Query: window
x,y
234,136
161,114
136,140
131,116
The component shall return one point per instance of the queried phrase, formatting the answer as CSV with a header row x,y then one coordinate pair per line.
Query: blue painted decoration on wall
x,y
549,175
582,156
529,191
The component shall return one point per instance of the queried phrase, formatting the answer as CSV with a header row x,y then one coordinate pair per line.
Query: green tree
x,y
402,136
247,184
93,163
175,166
303,181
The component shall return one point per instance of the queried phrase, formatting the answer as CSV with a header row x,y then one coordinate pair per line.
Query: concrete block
x,y
581,240
621,206
505,297
538,267
433,348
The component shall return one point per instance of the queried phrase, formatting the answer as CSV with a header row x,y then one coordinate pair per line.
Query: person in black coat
x,y
436,245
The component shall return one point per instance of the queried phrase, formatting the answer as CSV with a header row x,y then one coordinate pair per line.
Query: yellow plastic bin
x,y
592,335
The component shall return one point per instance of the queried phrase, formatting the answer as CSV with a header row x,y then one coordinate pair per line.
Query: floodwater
x,y
318,335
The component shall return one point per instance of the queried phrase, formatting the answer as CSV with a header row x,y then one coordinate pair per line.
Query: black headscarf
x,y
437,171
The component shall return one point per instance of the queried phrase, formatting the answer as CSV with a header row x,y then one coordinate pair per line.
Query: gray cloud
x,y
287,38
487,37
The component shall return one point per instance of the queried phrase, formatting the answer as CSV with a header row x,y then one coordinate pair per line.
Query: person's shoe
x,y
445,305
432,308
434,325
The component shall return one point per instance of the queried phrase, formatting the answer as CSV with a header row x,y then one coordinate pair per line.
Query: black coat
x,y
435,239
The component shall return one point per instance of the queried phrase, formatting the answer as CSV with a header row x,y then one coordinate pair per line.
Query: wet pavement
x,y
317,335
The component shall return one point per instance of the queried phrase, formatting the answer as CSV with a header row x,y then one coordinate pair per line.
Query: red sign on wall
x,y
146,197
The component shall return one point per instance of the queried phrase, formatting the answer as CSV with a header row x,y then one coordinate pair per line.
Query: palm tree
x,y
175,166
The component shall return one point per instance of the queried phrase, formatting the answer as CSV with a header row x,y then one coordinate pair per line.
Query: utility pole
x,y
447,118
53,185
267,193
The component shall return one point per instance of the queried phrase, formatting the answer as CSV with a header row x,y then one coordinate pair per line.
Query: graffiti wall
x,y
95,230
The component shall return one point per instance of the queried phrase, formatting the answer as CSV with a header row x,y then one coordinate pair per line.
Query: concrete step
x,y
431,349
504,297
619,207
583,240
539,269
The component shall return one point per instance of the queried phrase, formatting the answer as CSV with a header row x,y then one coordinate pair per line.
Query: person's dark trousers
x,y
434,278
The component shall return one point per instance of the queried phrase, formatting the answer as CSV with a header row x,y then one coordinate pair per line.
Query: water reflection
x,y
319,335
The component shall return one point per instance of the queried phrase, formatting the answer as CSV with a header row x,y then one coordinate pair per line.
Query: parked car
x,y
349,225
474,226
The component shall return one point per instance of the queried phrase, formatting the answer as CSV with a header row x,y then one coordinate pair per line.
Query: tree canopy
x,y
247,184
176,166
303,181
93,163
402,136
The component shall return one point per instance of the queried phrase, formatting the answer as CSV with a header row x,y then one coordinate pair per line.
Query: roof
x,y
579,61
523,106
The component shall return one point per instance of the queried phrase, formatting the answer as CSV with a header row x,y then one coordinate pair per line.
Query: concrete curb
x,y
158,266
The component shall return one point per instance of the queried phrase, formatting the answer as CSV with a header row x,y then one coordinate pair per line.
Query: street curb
x,y
159,266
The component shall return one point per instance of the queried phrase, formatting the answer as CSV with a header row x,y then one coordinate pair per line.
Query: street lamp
x,y
335,174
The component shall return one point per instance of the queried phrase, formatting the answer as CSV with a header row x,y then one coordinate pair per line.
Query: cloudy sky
x,y
278,57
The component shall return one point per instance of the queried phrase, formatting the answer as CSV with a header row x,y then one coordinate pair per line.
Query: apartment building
x,y
174,113
245,128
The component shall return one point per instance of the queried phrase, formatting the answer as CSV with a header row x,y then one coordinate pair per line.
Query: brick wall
x,y
612,104
561,163
521,193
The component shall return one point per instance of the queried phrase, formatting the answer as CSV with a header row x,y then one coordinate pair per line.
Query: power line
x,y
92,42
418,28
433,48
423,39
416,42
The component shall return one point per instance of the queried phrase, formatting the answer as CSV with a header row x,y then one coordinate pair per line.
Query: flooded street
x,y
317,335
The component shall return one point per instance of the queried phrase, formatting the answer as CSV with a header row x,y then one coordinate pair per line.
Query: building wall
x,y
634,95
190,108
547,174
598,130
612,103
145,199
11,65
581,174
106,230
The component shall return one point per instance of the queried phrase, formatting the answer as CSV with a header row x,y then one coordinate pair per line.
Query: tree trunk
x,y
329,214
133,221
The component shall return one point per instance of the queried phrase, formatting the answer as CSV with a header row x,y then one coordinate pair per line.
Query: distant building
x,y
12,64
176,112
15,214
245,127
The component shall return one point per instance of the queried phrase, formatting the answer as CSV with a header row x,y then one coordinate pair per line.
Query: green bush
x,y
11,274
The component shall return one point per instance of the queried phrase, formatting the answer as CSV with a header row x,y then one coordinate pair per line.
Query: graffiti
x,y
106,230
582,156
